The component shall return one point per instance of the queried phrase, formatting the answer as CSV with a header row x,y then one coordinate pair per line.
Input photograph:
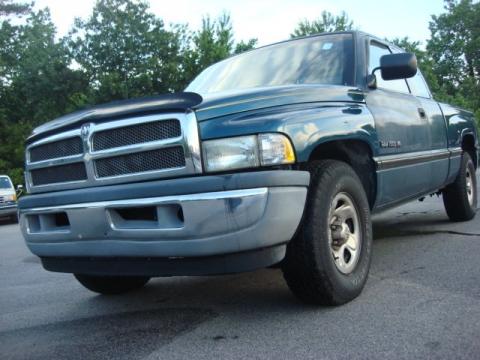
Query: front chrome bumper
x,y
192,225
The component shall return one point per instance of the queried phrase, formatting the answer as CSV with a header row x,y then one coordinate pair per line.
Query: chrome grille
x,y
168,158
120,151
135,134
59,174
2,199
57,149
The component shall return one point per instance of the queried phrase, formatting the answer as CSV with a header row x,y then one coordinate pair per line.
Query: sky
x,y
273,20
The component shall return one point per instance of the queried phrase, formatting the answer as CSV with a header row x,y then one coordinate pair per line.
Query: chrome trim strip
x,y
140,147
189,140
192,150
218,195
56,162
456,151
397,160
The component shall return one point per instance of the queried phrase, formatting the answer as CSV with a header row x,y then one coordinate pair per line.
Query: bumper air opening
x,y
167,216
48,222
138,214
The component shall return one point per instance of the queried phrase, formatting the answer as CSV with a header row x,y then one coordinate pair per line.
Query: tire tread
x,y
454,195
305,276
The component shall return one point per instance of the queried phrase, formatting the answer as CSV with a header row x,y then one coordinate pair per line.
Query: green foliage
x,y
326,23
36,84
245,46
455,51
12,138
125,51
9,7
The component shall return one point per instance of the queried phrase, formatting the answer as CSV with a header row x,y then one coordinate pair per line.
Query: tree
x,y
455,50
9,7
243,46
326,23
212,43
37,82
36,85
125,51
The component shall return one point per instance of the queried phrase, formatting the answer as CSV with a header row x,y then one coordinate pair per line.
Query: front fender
x,y
307,125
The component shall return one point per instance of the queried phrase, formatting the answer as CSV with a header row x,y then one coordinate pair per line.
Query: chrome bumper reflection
x,y
167,217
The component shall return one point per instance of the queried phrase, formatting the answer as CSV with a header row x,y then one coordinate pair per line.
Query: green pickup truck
x,y
277,156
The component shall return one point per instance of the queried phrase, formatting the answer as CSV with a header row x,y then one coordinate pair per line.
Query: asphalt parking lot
x,y
422,300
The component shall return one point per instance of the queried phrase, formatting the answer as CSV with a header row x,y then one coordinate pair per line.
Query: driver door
x,y
403,136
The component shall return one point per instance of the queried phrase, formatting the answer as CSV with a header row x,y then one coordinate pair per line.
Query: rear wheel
x,y
460,197
109,285
328,261
14,218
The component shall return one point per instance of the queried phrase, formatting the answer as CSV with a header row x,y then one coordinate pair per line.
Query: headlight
x,y
275,149
232,153
11,197
247,151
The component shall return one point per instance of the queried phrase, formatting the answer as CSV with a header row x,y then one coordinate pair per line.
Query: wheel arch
x,y
468,145
356,153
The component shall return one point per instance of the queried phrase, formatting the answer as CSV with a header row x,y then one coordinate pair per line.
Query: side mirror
x,y
398,66
19,189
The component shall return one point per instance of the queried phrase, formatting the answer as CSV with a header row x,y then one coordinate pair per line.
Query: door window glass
x,y
418,85
375,53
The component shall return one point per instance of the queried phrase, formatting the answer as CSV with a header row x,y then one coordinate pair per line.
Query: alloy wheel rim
x,y
344,233
469,186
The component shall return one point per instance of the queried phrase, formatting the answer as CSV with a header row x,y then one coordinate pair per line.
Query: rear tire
x,y
316,268
110,285
14,218
460,197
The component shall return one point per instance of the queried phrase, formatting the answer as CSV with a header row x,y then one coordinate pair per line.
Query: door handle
x,y
422,113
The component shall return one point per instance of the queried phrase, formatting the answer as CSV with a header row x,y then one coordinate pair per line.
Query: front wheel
x,y
109,285
327,262
460,197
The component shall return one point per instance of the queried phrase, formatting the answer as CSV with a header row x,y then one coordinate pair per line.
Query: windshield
x,y
5,183
325,59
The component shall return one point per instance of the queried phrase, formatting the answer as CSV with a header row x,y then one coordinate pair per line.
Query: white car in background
x,y
8,198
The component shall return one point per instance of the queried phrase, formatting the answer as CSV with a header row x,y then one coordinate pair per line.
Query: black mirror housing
x,y
398,66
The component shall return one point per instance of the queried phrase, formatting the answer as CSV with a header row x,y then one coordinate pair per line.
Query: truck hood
x,y
168,102
207,107
225,103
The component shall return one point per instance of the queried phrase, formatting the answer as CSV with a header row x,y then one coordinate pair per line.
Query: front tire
x,y
460,197
110,285
327,262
